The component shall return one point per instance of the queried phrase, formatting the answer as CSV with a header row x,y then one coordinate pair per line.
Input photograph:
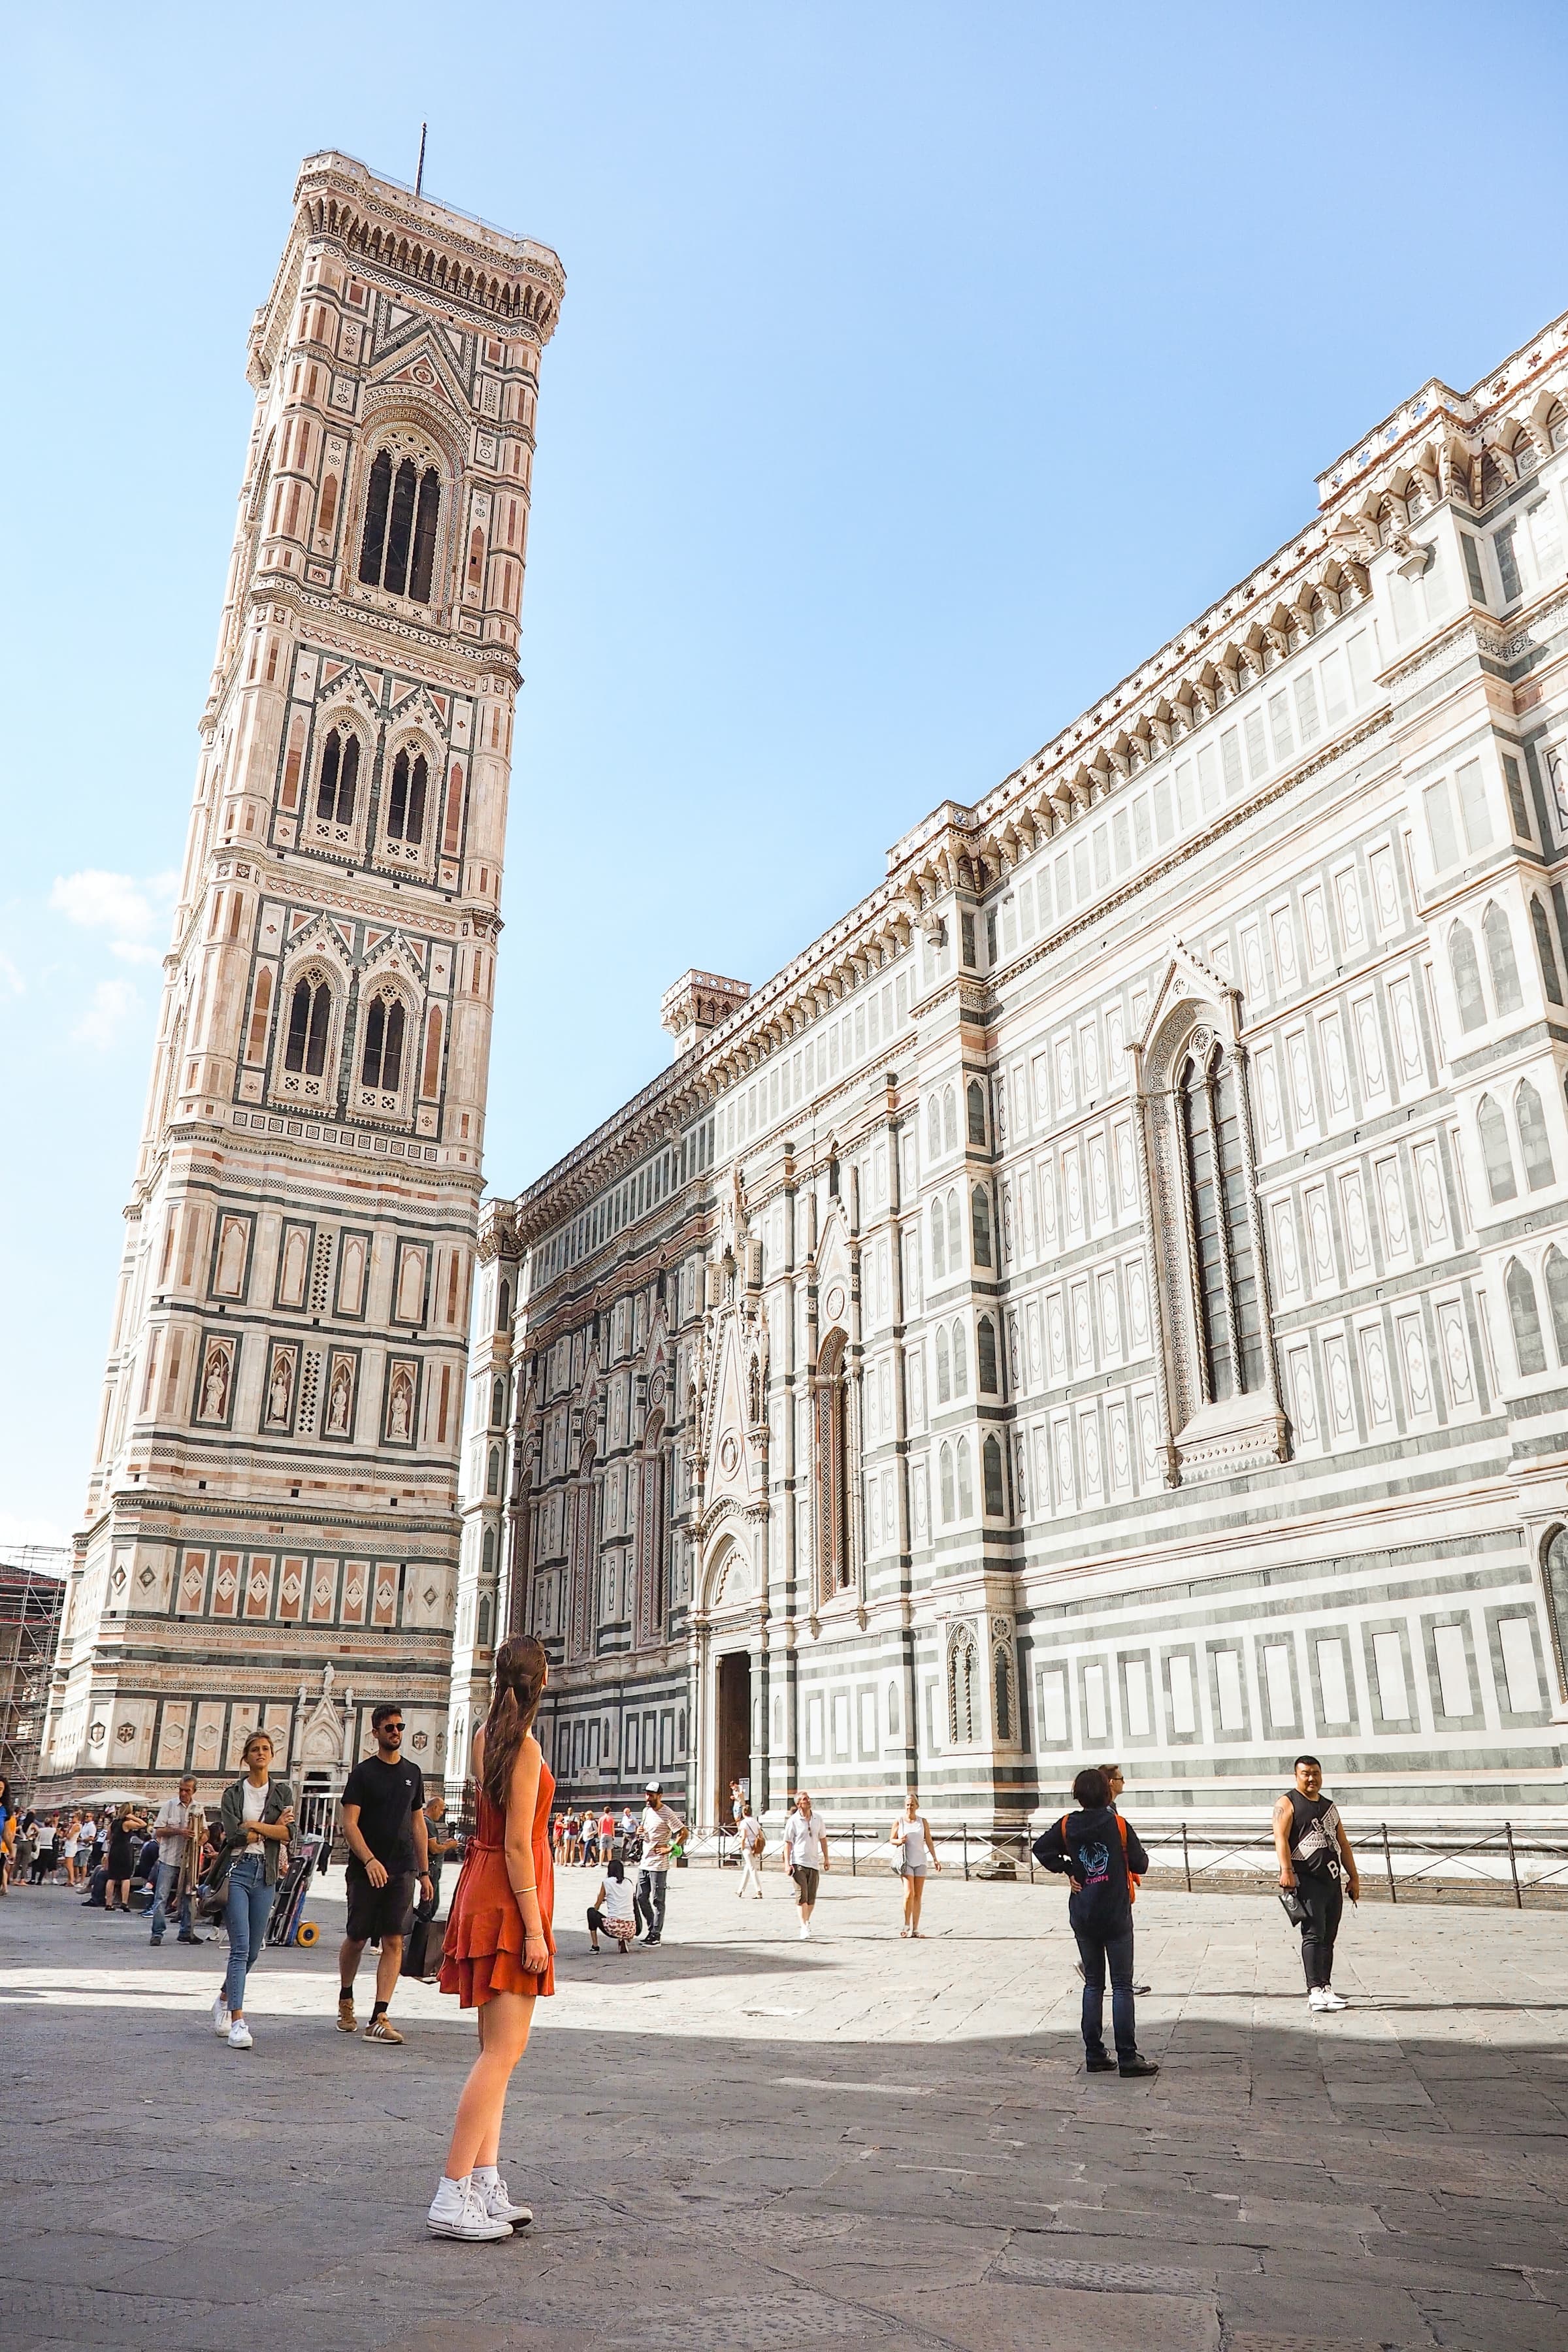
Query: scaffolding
x,y
32,1587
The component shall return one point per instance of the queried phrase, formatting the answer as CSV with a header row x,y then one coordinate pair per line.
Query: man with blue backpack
x,y
1103,1856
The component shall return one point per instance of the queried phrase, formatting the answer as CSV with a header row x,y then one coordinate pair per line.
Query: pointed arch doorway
x,y
733,1728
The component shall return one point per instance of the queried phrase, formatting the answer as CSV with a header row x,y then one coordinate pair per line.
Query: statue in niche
x,y
215,1383
280,1387
340,1398
401,1412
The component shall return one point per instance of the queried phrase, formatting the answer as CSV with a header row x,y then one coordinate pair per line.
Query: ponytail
x,y
520,1670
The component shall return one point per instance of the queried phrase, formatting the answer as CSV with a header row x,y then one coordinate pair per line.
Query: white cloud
x,y
113,1003
11,981
131,912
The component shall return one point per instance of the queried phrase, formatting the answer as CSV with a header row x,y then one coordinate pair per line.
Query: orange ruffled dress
x,y
483,1949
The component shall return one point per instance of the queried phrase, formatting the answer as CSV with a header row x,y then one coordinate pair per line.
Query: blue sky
x,y
921,369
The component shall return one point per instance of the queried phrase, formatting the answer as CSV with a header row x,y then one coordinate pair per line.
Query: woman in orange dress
x,y
498,1953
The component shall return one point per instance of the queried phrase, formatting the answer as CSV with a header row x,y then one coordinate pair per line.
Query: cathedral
x,y
272,1529
1107,1296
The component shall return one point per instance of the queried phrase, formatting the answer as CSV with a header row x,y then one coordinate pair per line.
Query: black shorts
x,y
378,1911
806,1880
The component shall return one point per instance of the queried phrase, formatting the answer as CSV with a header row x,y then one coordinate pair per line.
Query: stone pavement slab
x,y
742,2140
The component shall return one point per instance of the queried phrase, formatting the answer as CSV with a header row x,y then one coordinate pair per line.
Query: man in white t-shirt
x,y
172,1828
658,1826
805,1858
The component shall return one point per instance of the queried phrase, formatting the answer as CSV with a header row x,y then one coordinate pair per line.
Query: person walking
x,y
383,1814
606,1835
1316,1861
178,1834
46,1862
805,1859
120,1859
911,1838
659,1824
1098,1851
255,1813
500,1949
70,1846
753,1845
613,1909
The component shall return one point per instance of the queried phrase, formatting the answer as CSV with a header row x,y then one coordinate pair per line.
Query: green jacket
x,y
233,1825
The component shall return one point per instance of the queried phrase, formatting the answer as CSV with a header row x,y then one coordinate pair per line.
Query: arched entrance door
x,y
733,1742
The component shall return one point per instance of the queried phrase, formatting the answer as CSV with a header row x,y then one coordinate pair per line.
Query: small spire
x,y
420,174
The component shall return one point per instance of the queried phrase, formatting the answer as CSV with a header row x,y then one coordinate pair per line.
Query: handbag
x,y
1290,1903
212,1890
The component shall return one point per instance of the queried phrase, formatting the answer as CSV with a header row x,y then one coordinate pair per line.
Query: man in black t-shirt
x,y
383,1814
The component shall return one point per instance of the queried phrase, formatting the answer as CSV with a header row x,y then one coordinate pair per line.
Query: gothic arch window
x,y
381,1066
980,1224
503,1307
339,777
498,1403
406,796
833,1468
488,1555
985,1356
1230,1330
1555,1272
1003,1683
974,1097
949,1119
485,1617
1501,1182
965,1479
943,1365
1467,976
1554,1578
954,1240
963,1687
1543,948
1534,1142
960,1359
310,1024
949,1503
402,510
492,1472
1523,1315
938,1240
933,1129
1500,961
991,1472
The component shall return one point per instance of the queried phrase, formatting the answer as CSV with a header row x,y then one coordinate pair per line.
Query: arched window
x,y
1004,1679
954,1240
975,1096
960,1361
1229,1324
938,1240
492,1473
933,1129
1557,425
1528,1348
340,773
1500,960
1495,1153
943,1365
980,1224
833,1468
498,1403
1556,1273
261,1005
1467,974
310,1016
405,798
949,1119
991,1469
430,1079
487,1561
1549,979
966,1481
383,1063
985,1355
503,1307
948,1504
397,550
1533,1139
1554,1577
485,1615
963,1677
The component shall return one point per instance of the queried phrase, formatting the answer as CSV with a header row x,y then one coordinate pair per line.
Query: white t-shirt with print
x,y
802,1842
657,1819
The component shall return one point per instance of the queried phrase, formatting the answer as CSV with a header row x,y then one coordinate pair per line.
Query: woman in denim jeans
x,y
255,1816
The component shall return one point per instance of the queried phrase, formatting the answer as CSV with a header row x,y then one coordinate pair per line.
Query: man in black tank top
x,y
1315,1858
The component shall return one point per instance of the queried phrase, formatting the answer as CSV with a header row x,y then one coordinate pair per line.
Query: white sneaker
x,y
497,2199
1315,1998
239,2035
457,2211
1331,2000
220,2016
804,1933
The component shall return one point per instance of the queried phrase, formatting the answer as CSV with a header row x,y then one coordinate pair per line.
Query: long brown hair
x,y
519,1685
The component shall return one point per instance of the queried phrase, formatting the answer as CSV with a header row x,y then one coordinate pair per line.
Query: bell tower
x,y
274,1482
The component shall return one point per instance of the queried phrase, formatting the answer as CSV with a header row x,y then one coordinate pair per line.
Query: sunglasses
x,y
383,1728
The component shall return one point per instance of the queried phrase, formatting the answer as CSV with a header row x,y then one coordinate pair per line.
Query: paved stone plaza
x,y
741,2140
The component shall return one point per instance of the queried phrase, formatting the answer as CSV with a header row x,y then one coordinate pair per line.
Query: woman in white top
x,y
805,1858
613,1909
911,1838
70,1840
748,1829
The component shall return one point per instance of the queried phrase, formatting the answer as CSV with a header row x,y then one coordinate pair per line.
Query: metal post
x,y
1186,1859
1388,1866
1513,1866
1029,1842
853,1873
966,1848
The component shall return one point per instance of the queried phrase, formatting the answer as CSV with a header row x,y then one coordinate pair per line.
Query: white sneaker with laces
x,y
220,2016
1331,2000
457,2211
239,2035
497,2200
1315,1998
804,1933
